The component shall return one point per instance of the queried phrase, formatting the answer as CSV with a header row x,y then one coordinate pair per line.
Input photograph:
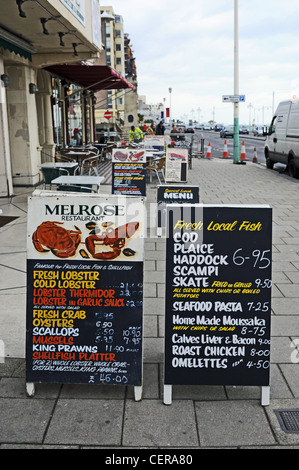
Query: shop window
x,y
57,107
74,111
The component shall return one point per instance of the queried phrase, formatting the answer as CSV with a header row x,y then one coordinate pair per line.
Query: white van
x,y
282,145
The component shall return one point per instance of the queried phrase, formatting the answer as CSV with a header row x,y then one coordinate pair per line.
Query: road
x,y
217,144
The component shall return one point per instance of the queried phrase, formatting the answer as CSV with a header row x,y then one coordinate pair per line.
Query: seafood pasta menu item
x,y
129,171
176,165
84,316
218,295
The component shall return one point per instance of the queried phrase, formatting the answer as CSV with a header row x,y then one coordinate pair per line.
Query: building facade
x,y
49,73
118,54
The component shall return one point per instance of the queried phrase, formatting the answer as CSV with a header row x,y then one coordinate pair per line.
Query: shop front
x,y
37,110
74,87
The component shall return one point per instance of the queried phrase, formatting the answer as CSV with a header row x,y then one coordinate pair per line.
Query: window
x,y
273,125
75,115
57,113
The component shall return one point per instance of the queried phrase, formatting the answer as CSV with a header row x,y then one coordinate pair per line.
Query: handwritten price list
x,y
218,295
129,179
84,322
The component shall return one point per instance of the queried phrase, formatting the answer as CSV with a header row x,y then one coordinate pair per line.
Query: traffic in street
x,y
217,144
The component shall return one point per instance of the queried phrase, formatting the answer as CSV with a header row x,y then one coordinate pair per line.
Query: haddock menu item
x,y
218,295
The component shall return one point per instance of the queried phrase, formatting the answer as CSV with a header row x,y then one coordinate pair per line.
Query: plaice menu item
x,y
84,318
218,295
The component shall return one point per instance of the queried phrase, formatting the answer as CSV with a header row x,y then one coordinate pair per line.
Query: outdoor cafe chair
x,y
158,168
91,163
49,174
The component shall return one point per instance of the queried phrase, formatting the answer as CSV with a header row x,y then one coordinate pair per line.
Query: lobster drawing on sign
x,y
111,238
135,157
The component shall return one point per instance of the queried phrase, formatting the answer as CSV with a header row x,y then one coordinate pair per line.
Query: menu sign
x,y
129,172
176,165
218,295
84,289
175,194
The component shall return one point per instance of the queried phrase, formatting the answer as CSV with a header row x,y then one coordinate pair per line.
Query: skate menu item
x,y
84,291
129,172
218,295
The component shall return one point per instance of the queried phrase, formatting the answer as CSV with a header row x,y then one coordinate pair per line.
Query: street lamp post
x,y
170,91
236,86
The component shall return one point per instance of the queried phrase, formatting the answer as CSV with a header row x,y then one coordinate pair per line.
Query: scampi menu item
x,y
218,295
84,317
129,172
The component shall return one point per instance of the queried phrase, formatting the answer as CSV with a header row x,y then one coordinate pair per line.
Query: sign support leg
x,y
138,393
30,389
167,394
265,396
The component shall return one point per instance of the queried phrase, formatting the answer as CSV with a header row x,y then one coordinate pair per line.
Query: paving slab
x,y
23,420
154,424
86,422
233,424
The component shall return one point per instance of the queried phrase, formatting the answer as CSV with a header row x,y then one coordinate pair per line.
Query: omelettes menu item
x,y
218,295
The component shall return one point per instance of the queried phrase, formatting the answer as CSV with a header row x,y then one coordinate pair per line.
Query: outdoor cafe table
x,y
80,180
70,166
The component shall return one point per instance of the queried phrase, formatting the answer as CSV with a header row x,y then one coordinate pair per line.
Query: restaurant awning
x,y
92,77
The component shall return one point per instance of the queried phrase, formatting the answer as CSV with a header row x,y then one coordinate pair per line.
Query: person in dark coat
x,y
160,129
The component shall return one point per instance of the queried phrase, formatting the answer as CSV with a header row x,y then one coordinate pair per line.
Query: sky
x,y
189,46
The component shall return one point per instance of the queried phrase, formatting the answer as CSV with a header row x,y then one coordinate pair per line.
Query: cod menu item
x,y
218,295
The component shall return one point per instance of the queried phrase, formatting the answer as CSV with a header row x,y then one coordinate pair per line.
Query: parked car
x,y
206,127
218,127
227,131
282,144
260,130
189,130
243,130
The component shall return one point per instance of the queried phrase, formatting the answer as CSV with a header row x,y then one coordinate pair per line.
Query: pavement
x,y
107,417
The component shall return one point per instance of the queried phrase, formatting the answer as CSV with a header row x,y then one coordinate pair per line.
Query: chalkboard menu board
x,y
129,172
176,170
84,289
174,194
218,295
